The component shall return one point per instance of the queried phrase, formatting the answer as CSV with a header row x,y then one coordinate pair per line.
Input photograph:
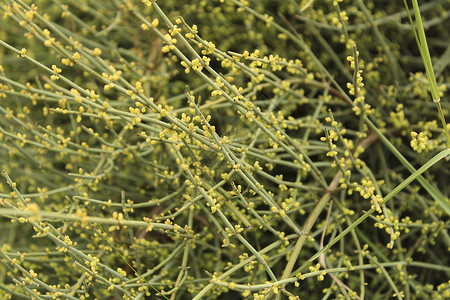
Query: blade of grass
x,y
425,54
395,191
428,187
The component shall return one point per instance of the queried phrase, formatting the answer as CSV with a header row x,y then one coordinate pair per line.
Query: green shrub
x,y
223,150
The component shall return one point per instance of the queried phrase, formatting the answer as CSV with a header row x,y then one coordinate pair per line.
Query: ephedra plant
x,y
224,149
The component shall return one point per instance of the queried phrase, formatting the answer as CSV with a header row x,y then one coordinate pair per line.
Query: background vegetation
x,y
224,149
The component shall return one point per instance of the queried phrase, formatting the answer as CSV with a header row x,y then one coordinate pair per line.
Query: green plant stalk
x,y
131,234
388,197
313,217
57,217
329,50
387,276
307,228
304,235
443,202
248,177
344,27
55,236
14,293
358,248
433,192
233,148
430,189
221,214
172,256
183,269
394,63
425,54
393,264
137,273
237,267
36,280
